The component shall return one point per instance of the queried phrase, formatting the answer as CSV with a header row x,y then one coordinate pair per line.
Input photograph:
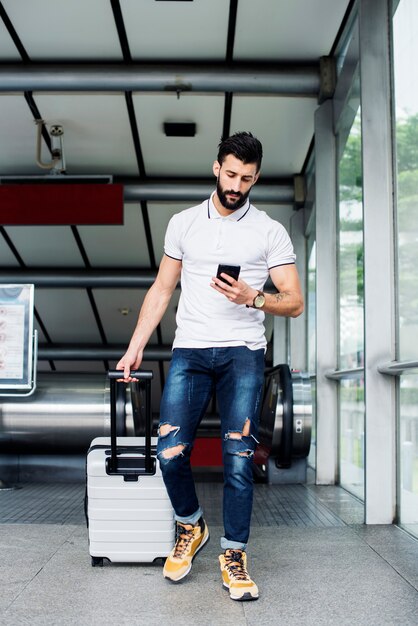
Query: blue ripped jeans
x,y
236,373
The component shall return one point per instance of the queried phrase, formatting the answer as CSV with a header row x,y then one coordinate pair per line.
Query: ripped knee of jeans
x,y
169,447
242,443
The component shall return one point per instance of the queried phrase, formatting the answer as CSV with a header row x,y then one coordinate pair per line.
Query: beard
x,y
232,205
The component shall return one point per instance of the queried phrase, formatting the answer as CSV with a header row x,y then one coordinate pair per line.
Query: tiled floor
x,y
286,505
313,559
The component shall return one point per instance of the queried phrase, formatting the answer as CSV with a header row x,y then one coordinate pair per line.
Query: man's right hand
x,y
131,360
152,310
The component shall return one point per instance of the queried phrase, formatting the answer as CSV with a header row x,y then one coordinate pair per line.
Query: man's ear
x,y
216,168
256,177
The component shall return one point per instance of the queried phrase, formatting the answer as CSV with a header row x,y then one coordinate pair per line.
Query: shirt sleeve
x,y
280,250
172,241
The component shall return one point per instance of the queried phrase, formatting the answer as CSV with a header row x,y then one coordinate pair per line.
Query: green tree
x,y
407,218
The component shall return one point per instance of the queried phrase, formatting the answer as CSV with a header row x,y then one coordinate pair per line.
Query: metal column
x,y
281,333
380,489
326,298
297,326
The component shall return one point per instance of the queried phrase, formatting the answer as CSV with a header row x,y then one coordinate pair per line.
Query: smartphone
x,y
231,270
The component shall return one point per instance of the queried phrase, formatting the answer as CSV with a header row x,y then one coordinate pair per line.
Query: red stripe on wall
x,y
63,204
207,452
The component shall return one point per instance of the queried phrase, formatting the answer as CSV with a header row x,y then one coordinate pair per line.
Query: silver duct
x,y
286,80
195,192
69,278
65,413
97,352
159,190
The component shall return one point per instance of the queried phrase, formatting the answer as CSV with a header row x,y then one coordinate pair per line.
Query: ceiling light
x,y
179,129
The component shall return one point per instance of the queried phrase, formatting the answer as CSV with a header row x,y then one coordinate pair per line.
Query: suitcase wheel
x,y
96,560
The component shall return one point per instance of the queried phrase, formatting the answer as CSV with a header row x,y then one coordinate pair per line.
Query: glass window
x,y
311,316
351,303
408,441
352,436
405,48
350,226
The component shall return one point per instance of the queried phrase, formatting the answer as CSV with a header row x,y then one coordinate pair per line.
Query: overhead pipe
x,y
97,352
271,190
261,78
68,278
189,191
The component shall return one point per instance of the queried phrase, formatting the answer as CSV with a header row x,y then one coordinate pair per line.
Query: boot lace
x,y
235,565
184,538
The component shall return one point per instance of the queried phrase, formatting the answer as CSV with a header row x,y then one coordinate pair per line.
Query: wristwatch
x,y
259,301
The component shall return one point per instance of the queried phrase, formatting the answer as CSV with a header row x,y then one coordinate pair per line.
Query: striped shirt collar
x,y
235,216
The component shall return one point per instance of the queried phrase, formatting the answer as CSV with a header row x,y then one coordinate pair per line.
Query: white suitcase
x,y
129,514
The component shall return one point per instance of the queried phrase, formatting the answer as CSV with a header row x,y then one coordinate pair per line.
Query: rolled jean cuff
x,y
227,544
190,519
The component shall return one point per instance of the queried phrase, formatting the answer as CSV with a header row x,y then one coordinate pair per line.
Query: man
x,y
219,345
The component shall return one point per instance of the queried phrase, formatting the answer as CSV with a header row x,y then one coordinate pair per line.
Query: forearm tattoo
x,y
281,295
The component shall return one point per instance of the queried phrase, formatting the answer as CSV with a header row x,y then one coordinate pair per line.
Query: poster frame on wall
x,y
18,340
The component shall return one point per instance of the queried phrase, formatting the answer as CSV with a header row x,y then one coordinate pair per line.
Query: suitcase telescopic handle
x,y
139,375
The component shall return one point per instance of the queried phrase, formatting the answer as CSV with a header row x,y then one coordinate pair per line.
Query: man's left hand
x,y
237,291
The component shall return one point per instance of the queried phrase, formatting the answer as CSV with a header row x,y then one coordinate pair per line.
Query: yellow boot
x,y
235,576
190,539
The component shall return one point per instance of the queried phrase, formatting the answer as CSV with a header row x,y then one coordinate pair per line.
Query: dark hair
x,y
244,146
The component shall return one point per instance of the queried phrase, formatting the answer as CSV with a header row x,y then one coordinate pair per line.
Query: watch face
x,y
259,301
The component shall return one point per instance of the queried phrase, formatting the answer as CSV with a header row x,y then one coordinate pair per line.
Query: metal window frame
x,y
380,337
326,296
379,274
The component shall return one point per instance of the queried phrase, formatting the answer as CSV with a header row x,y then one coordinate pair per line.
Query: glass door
x,y
351,300
405,48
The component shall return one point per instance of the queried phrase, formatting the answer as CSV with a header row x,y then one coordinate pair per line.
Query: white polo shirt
x,y
201,238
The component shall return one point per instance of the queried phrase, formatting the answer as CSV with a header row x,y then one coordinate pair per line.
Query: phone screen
x,y
231,270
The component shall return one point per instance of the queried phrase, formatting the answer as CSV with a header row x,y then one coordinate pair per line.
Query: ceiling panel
x,y
179,156
283,125
98,138
46,246
118,246
67,315
168,323
118,327
283,30
160,214
8,51
281,213
97,134
65,30
173,30
41,336
7,258
43,366
17,136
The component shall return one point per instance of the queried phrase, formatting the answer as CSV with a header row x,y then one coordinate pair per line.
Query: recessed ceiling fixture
x,y
179,129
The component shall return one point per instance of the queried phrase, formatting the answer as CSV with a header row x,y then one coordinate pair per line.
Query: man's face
x,y
234,181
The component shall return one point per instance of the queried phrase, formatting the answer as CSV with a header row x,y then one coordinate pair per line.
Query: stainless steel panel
x,y
65,413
